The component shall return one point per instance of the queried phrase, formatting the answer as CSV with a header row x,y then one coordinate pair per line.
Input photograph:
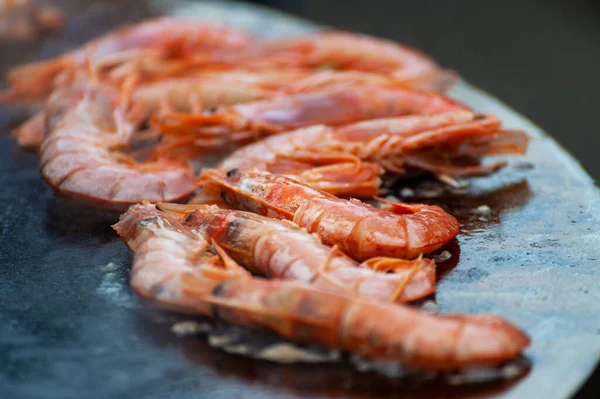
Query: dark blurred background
x,y
540,57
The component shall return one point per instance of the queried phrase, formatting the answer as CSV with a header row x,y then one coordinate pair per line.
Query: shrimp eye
x,y
211,110
225,197
189,217
232,172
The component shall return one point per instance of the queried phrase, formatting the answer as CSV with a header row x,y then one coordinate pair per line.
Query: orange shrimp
x,y
336,104
280,249
358,229
209,89
345,51
185,94
428,142
350,51
174,268
167,37
81,158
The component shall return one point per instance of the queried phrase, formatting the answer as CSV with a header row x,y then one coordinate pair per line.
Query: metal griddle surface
x,y
71,327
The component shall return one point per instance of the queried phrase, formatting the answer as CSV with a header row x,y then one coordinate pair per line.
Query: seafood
x,y
336,104
167,37
24,19
427,142
358,229
184,94
81,154
209,89
341,269
347,51
280,249
174,268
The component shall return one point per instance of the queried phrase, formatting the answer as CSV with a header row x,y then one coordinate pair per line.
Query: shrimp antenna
x,y
322,271
404,283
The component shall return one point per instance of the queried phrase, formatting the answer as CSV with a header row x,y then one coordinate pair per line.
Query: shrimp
x,y
81,157
428,142
347,51
167,37
336,104
176,269
280,249
358,229
185,94
24,19
206,89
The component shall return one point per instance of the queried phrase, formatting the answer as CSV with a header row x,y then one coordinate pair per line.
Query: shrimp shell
x,y
350,51
80,154
167,36
280,249
429,142
333,105
345,51
184,94
169,268
358,229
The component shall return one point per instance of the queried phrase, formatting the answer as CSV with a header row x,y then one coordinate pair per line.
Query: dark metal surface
x,y
71,327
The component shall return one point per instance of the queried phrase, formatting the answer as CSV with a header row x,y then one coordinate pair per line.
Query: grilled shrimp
x,y
186,94
428,142
175,268
210,89
81,157
280,249
358,229
347,51
164,37
336,104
